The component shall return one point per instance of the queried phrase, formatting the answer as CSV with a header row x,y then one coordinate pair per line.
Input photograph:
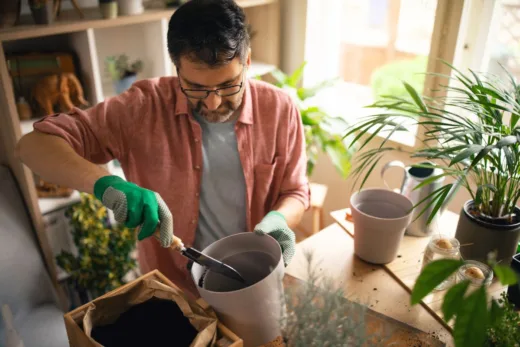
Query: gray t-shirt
x,y
222,204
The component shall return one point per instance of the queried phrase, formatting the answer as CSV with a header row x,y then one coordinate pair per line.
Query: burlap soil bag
x,y
107,312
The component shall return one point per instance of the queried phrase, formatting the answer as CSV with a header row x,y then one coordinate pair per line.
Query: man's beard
x,y
222,114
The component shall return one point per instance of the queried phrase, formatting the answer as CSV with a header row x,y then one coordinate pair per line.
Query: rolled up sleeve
x,y
295,183
96,134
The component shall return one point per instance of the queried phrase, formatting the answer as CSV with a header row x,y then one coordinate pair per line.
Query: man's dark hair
x,y
213,32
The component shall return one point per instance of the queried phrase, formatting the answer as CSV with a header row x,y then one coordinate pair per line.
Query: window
x,y
371,46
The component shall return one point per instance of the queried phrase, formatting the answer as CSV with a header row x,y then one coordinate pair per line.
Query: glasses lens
x,y
198,94
229,90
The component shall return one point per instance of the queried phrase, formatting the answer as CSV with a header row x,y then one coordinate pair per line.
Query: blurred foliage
x,y
104,250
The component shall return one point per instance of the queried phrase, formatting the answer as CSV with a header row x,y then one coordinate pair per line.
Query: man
x,y
209,153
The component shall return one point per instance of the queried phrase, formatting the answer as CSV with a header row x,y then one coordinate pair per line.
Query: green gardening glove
x,y
134,206
275,225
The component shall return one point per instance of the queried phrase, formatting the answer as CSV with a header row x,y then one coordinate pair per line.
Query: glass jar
x,y
474,283
442,247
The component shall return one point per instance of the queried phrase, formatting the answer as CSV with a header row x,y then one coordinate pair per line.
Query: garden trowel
x,y
208,262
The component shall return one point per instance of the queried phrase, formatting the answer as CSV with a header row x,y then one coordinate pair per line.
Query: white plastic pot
x,y
255,312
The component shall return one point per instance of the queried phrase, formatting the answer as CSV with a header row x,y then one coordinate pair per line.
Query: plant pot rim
x,y
500,227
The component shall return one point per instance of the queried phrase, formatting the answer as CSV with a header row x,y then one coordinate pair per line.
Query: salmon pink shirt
x,y
151,131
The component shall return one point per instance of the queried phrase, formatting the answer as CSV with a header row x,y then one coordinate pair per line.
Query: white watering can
x,y
413,176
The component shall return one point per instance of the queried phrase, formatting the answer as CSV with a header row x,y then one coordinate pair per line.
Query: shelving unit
x,y
92,39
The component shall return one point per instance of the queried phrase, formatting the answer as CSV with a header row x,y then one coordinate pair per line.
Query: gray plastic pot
x,y
478,237
255,312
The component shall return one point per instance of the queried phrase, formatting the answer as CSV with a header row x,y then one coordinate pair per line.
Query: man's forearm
x,y
292,209
52,158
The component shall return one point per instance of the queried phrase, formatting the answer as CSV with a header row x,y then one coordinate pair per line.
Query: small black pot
x,y
513,291
43,14
478,237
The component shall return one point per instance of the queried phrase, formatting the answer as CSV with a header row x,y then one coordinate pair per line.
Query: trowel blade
x,y
212,264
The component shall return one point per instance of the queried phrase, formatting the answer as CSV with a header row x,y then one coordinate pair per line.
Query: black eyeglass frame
x,y
216,91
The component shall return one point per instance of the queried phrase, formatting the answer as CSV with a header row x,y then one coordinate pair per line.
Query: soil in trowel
x,y
253,266
155,322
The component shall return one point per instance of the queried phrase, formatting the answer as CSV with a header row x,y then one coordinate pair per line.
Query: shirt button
x,y
197,195
193,221
196,140
197,167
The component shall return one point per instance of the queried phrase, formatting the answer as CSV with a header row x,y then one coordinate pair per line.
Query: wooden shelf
x,y
70,22
52,204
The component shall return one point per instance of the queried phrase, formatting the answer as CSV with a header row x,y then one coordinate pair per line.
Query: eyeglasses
x,y
204,93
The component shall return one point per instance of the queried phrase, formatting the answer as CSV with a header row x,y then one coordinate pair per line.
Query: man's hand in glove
x,y
275,225
134,206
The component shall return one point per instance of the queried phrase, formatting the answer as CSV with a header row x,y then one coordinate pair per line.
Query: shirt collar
x,y
246,114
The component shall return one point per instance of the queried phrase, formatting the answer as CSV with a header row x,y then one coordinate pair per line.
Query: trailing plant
x,y
103,250
476,321
322,131
119,67
472,134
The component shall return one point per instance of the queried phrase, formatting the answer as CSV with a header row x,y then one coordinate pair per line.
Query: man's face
x,y
196,76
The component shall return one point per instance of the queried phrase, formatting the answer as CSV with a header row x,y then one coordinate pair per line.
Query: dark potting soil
x,y
254,266
155,322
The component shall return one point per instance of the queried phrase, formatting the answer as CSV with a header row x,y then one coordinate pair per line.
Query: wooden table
x,y
407,266
333,254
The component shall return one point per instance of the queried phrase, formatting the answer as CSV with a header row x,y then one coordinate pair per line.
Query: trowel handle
x,y
394,163
177,244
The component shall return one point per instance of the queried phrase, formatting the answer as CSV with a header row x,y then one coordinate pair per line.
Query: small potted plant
x,y
42,11
104,250
122,72
108,8
473,135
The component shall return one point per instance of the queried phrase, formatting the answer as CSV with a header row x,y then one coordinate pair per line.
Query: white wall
x,y
293,26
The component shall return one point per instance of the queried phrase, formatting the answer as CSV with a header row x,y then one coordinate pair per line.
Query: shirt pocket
x,y
267,182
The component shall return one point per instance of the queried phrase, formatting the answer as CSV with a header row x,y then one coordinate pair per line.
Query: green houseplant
x,y
473,135
103,250
322,131
478,321
122,72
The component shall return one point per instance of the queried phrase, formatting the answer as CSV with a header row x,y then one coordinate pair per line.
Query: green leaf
x,y
339,157
496,312
293,79
453,300
439,203
510,160
279,76
432,275
480,190
415,96
514,120
469,151
481,155
472,320
506,141
505,274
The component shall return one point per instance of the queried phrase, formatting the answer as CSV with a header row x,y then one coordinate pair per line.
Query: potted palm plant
x,y
322,131
472,134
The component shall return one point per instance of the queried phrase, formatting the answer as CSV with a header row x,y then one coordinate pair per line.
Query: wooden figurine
x,y
63,88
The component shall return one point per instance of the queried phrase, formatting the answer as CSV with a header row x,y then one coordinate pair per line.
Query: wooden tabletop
x,y
333,256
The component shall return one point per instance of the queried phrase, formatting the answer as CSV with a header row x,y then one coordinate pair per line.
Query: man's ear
x,y
248,61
